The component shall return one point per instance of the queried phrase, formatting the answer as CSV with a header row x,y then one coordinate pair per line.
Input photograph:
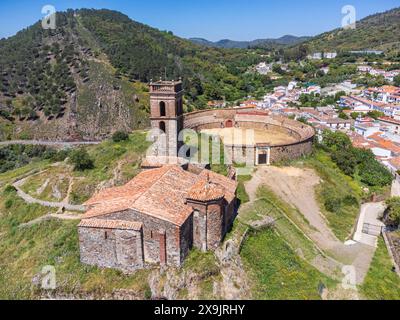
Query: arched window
x,y
162,126
162,109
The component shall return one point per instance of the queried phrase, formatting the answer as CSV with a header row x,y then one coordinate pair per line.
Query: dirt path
x,y
297,187
396,188
65,216
29,199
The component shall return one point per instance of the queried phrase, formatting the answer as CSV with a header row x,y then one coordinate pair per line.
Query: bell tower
x,y
166,104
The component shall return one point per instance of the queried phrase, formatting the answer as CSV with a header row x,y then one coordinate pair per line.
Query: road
x,y
396,188
369,220
62,144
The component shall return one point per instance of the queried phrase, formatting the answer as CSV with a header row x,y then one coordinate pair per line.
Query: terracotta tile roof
x,y
160,192
204,191
395,162
228,185
110,224
389,120
383,143
359,141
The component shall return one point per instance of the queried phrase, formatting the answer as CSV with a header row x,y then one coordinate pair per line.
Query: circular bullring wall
x,y
274,138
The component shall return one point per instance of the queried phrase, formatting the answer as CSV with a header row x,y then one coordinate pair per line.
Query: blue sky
x,y
210,19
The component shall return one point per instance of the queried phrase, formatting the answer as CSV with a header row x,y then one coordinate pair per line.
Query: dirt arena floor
x,y
250,136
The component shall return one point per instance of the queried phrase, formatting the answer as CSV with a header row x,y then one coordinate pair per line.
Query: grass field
x,y
381,283
24,251
277,272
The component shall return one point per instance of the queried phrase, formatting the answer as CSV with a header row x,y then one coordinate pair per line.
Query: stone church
x,y
165,211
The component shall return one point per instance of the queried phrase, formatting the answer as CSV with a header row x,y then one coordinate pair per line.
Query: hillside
x,y
379,31
259,43
84,80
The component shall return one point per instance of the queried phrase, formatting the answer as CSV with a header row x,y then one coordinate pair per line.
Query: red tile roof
x,y
160,192
395,162
110,224
204,191
383,143
389,120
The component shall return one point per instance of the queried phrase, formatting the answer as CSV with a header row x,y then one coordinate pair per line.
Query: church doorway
x,y
262,159
229,124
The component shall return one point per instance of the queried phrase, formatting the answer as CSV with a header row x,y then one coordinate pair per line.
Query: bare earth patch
x,y
239,136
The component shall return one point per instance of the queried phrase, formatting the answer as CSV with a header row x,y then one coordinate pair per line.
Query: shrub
x,y
120,136
333,204
60,155
81,160
9,189
373,174
345,160
352,160
350,200
393,211
9,203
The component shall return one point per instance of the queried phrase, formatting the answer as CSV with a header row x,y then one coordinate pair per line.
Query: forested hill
x,y
379,31
87,78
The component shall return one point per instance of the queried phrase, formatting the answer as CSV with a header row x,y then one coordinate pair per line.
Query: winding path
x,y
60,144
64,216
29,199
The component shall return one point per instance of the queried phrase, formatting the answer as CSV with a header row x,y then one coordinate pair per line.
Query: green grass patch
x,y
241,190
25,251
202,263
381,283
277,272
286,220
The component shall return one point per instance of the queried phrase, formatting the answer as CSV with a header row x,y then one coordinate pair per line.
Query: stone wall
x,y
250,118
106,248
215,224
155,232
211,222
292,151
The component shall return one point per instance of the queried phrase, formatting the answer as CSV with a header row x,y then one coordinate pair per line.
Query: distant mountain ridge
x,y
286,40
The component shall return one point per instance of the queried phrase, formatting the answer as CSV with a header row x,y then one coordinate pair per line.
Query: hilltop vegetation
x,y
379,31
86,77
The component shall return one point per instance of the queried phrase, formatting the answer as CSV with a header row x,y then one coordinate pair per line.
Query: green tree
x,y
334,141
345,160
120,136
355,115
81,160
343,116
375,114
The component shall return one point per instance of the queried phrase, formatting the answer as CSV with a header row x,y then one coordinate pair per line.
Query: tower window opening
x,y
162,109
162,126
